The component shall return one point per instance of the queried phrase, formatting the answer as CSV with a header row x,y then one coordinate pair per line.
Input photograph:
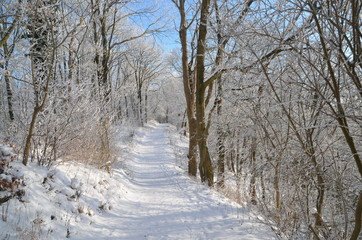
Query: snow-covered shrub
x,y
10,179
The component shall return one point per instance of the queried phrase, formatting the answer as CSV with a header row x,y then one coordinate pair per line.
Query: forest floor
x,y
147,196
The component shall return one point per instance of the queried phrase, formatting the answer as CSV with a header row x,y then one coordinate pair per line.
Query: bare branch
x,y
144,33
9,31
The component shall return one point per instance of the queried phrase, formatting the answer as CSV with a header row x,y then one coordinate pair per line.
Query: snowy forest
x,y
265,95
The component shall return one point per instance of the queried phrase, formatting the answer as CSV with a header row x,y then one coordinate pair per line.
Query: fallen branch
x,y
5,199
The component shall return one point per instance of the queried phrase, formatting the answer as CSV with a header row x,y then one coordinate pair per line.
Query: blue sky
x,y
168,15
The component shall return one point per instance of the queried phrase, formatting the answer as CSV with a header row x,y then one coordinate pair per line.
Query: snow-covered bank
x,y
59,203
153,200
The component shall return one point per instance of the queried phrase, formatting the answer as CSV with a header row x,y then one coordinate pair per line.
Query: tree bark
x,y
146,106
220,133
220,138
252,188
105,57
189,91
8,32
140,112
205,165
30,135
277,193
7,83
192,153
43,52
221,158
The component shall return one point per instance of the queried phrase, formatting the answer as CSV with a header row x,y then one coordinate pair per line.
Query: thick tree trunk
x,y
189,91
205,165
192,154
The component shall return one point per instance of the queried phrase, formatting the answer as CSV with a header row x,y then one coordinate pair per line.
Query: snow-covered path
x,y
162,203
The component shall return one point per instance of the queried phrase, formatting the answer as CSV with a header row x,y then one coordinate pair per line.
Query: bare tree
x,y
43,50
145,67
188,84
9,36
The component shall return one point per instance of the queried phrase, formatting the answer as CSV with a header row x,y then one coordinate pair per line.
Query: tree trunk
x,y
334,85
146,106
220,139
126,106
140,107
106,88
277,188
9,94
320,190
39,104
42,66
104,137
30,135
221,158
97,58
192,154
222,41
252,187
189,91
7,83
205,165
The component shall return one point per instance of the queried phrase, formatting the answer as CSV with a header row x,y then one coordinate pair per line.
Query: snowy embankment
x,y
147,196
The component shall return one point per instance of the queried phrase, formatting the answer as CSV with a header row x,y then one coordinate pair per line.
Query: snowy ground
x,y
151,199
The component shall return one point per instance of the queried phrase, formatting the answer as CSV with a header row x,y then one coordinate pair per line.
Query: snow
x,y
149,197
5,151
